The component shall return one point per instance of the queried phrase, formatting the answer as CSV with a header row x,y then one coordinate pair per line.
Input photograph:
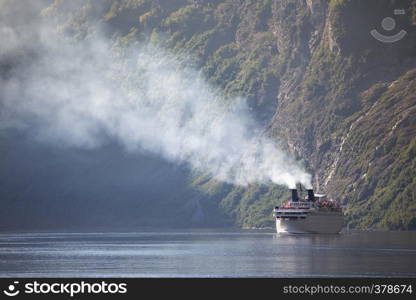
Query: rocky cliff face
x,y
329,119
320,84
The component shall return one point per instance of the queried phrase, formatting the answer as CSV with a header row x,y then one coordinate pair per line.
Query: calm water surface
x,y
207,253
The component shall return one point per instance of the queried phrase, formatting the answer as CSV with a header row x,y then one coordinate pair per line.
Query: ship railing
x,y
292,210
285,216
283,213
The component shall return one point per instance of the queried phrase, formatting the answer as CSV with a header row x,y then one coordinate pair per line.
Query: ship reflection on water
x,y
207,253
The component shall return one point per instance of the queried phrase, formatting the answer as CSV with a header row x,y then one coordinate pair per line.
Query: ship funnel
x,y
295,196
311,195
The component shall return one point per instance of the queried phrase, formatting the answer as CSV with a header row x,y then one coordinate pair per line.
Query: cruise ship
x,y
313,214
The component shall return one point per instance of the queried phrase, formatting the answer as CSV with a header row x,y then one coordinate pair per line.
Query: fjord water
x,y
207,253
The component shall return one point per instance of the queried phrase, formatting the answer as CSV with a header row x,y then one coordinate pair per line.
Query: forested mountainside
x,y
336,98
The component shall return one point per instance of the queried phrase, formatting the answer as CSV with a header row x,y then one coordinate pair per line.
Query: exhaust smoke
x,y
90,92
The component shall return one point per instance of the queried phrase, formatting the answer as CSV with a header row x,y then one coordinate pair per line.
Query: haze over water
x,y
207,253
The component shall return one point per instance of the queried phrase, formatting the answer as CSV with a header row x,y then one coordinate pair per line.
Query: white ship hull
x,y
317,222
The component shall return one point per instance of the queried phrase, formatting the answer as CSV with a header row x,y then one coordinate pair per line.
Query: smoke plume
x,y
92,91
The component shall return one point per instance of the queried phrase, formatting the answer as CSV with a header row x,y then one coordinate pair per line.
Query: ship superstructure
x,y
315,213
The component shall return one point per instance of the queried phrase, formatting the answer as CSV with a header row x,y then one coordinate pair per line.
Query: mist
x,y
93,91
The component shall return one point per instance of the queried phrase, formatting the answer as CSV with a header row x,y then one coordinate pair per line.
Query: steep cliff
x,y
318,82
